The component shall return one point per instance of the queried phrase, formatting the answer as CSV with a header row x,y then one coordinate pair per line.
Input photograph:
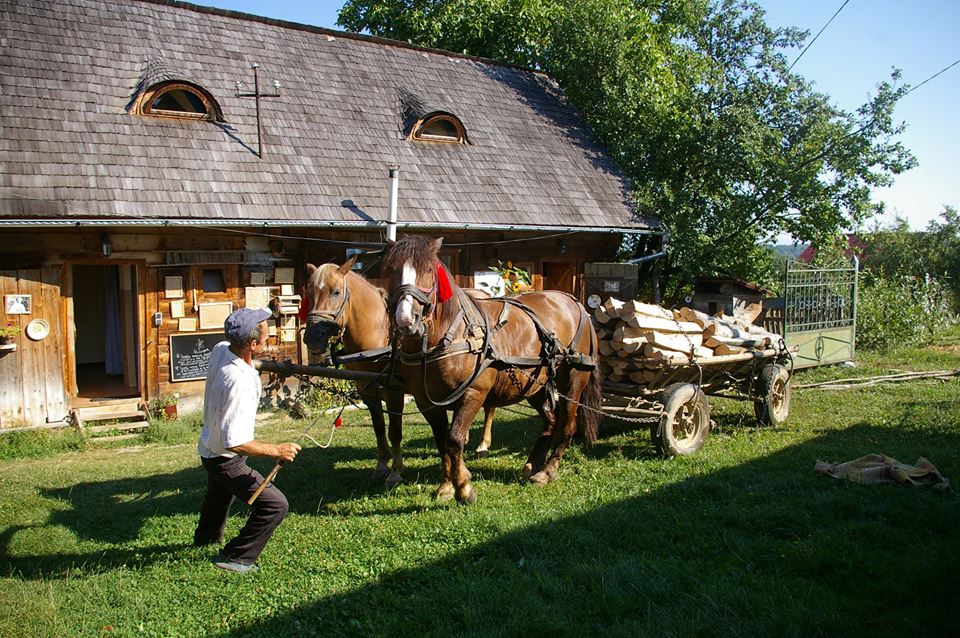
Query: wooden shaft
x,y
287,368
272,475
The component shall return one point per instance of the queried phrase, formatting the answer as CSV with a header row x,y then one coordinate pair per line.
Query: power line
x,y
810,44
943,70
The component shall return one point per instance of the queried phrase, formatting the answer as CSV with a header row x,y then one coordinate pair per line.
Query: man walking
x,y
230,400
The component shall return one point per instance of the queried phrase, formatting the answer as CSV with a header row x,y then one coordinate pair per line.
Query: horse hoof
x,y
380,473
394,479
526,472
468,496
540,479
482,454
444,493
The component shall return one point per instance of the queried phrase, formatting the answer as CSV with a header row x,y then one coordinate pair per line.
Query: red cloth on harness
x,y
444,291
303,310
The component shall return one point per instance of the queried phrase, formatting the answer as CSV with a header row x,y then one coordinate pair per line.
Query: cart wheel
x,y
773,388
685,422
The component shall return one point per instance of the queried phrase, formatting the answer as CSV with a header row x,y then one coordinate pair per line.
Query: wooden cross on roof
x,y
257,95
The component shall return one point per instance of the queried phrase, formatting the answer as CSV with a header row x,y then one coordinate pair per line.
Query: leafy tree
x,y
696,101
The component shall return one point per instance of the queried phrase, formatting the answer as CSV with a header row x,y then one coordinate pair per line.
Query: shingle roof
x,y
72,148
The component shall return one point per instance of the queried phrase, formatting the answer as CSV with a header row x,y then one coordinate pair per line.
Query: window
x,y
213,281
179,99
440,127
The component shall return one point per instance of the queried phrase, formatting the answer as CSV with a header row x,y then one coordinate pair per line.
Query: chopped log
x,y
654,354
647,323
718,328
606,348
750,313
678,342
633,307
612,307
700,318
759,342
723,348
601,315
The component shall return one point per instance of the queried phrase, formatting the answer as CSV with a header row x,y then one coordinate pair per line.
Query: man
x,y
230,400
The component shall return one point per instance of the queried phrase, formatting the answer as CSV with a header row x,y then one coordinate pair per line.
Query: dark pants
x,y
229,478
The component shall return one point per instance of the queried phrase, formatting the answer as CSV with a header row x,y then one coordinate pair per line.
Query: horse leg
x,y
379,428
568,418
437,418
394,402
538,455
457,441
483,450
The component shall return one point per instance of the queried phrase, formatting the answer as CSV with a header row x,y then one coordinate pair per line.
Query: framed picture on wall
x,y
173,287
17,304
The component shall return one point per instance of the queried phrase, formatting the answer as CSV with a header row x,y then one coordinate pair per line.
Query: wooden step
x,y
118,437
108,410
137,425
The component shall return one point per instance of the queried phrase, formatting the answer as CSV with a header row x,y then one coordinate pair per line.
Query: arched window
x,y
439,127
179,99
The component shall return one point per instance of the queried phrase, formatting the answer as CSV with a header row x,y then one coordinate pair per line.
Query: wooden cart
x,y
674,401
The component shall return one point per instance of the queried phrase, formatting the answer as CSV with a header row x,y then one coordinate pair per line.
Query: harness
x,y
477,338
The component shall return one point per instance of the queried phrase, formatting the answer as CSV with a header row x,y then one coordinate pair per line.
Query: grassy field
x,y
742,539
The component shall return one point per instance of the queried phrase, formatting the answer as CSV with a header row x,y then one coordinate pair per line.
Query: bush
x,y
900,311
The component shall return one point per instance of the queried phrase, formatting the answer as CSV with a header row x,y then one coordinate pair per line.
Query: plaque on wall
x,y
256,296
212,315
187,324
173,287
176,309
258,278
283,275
190,354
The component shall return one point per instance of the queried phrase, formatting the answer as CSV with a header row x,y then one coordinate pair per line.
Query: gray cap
x,y
240,324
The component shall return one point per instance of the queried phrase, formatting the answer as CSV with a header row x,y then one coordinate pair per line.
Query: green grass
x,y
742,539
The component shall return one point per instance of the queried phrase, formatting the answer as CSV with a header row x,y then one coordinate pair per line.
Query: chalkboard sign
x,y
190,354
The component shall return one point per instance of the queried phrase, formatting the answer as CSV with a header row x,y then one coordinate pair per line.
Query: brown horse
x,y
461,354
344,306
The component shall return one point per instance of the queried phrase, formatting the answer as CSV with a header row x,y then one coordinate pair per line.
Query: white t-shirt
x,y
230,401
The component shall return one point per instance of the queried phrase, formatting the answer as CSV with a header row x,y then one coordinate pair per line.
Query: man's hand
x,y
286,452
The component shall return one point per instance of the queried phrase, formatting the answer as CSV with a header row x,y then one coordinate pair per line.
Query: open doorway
x,y
105,335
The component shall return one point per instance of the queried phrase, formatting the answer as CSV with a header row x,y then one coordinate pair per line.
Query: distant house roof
x,y
73,146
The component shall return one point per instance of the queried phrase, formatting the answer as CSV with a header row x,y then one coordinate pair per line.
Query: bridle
x,y
329,322
426,297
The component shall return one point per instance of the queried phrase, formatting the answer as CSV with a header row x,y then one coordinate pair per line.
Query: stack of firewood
x,y
636,338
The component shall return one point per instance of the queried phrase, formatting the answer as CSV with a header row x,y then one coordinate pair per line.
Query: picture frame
x,y
258,278
17,304
173,287
176,309
283,275
212,315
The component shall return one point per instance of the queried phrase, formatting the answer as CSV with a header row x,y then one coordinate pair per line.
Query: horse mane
x,y
411,248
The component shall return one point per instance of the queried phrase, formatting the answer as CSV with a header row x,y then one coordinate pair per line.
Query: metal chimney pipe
x,y
394,171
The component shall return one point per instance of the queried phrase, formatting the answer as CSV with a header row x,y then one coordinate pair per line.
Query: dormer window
x,y
181,100
439,127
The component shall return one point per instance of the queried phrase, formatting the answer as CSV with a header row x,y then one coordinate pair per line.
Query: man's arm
x,y
284,452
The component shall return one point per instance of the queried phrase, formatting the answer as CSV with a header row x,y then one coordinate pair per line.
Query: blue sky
x,y
856,52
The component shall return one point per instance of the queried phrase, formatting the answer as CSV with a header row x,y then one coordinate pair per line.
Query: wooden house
x,y
163,163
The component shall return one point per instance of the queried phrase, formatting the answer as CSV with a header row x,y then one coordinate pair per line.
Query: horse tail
x,y
589,414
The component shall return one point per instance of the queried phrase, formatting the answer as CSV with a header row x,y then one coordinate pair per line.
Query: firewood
x,y
647,323
601,315
750,313
722,348
678,342
757,342
612,307
634,307
605,347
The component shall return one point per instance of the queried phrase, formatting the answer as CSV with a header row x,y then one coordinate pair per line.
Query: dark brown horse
x,y
460,354
343,306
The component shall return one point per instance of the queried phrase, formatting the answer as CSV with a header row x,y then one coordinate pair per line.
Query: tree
x,y
695,101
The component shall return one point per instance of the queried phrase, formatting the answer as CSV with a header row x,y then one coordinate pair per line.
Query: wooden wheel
x,y
773,395
685,423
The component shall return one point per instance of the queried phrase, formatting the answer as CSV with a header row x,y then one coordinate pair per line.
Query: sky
x,y
857,51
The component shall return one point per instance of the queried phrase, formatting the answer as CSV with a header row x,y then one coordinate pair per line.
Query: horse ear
x,y
436,243
348,265
391,242
311,268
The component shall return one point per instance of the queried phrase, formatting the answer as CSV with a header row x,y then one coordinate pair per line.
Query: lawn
x,y
742,539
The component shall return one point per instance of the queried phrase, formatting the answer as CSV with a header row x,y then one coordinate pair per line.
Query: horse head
x,y
327,302
413,269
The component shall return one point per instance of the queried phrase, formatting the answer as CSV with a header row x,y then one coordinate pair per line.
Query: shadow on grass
x,y
762,548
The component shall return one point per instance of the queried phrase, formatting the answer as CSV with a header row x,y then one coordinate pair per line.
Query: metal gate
x,y
820,312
